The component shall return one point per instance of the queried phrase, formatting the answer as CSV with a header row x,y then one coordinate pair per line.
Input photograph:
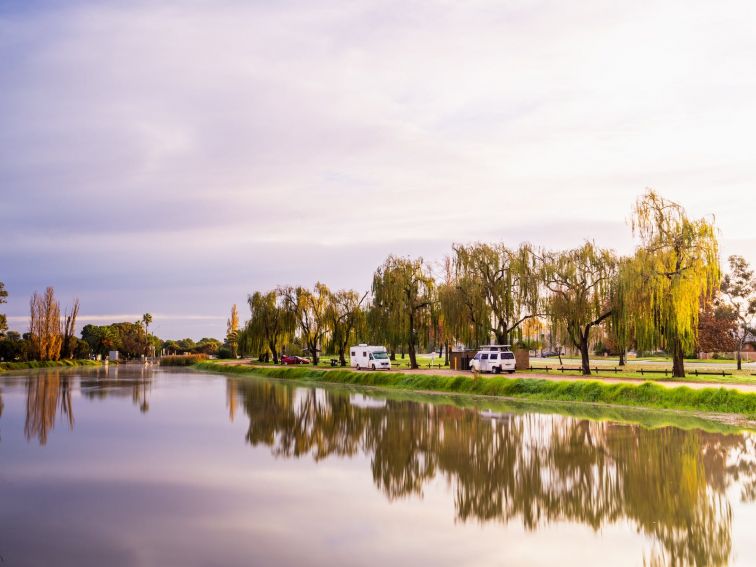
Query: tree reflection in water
x,y
50,392
45,395
106,382
535,468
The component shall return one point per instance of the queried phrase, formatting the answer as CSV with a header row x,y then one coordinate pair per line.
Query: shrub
x,y
182,359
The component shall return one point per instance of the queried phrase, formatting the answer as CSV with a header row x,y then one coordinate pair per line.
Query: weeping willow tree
x,y
675,266
347,317
464,318
403,293
619,330
580,282
309,308
497,288
269,327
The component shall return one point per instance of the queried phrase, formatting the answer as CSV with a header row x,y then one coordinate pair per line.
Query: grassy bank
x,y
712,400
7,366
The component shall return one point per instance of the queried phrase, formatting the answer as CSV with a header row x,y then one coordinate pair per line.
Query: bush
x,y
182,359
224,352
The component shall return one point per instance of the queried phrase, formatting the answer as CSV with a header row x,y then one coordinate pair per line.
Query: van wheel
x,y
357,367
511,371
496,369
373,367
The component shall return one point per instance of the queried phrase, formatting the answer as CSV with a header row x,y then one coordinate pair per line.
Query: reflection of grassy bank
x,y
648,395
6,366
645,417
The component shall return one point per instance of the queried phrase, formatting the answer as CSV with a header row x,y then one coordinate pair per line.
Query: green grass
x,y
712,400
7,366
743,377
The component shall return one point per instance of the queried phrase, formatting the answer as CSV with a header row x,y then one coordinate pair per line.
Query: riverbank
x,y
710,400
9,366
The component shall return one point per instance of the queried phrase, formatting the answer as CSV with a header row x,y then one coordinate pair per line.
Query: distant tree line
x,y
52,336
661,298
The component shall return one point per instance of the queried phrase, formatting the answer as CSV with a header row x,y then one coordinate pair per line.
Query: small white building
x,y
113,355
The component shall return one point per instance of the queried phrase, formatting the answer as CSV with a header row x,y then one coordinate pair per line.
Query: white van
x,y
371,357
493,358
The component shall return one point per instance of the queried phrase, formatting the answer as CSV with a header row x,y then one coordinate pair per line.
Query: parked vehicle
x,y
493,358
548,353
370,357
286,359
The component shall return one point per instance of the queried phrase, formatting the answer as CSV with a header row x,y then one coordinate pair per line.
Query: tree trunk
x,y
622,358
740,359
446,354
411,345
678,363
412,356
342,356
392,356
584,355
273,351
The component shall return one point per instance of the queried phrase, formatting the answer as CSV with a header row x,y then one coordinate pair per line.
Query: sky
x,y
172,157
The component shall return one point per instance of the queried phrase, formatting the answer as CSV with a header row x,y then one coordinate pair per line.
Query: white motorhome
x,y
369,357
493,358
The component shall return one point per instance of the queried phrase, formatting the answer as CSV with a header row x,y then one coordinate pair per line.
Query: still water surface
x,y
141,467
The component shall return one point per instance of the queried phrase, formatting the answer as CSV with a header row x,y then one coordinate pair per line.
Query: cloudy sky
x,y
173,156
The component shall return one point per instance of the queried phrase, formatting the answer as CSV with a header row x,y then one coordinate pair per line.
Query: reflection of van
x,y
372,357
493,358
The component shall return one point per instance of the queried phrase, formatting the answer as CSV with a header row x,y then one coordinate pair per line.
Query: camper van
x,y
493,358
369,357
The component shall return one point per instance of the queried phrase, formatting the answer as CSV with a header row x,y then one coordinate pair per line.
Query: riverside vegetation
x,y
712,400
669,295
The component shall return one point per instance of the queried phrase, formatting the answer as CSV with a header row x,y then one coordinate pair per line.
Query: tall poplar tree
x,y
232,331
675,267
3,320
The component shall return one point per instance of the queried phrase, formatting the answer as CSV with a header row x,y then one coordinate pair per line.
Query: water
x,y
141,467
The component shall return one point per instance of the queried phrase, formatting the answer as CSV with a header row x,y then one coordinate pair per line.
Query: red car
x,y
286,359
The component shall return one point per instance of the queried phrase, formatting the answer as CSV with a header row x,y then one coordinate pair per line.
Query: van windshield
x,y
379,355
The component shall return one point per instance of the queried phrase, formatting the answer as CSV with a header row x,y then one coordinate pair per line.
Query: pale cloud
x,y
178,155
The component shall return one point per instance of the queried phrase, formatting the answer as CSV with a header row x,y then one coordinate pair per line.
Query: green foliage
x,y
270,326
309,308
580,282
13,347
403,294
130,339
494,289
346,319
674,268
